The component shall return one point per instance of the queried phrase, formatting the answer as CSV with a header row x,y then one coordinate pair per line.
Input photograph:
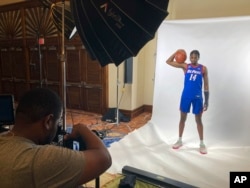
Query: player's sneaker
x,y
177,145
203,149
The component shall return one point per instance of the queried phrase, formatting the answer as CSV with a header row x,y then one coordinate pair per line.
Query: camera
x,y
74,144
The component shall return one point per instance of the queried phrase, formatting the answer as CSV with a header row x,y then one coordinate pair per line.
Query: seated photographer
x,y
27,159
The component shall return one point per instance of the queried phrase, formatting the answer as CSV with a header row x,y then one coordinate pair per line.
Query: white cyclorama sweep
x,y
224,45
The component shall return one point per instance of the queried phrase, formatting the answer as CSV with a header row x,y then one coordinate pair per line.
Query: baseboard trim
x,y
137,111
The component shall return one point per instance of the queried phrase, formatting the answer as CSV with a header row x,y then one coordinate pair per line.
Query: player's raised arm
x,y
177,59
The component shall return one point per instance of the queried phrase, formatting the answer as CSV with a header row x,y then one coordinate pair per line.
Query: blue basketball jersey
x,y
193,81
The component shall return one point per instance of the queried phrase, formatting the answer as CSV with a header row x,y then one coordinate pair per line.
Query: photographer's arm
x,y
96,156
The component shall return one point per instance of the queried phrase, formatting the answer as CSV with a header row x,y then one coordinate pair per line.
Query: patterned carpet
x,y
109,132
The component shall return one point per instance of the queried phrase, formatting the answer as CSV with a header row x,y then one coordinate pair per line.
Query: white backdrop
x,y
224,45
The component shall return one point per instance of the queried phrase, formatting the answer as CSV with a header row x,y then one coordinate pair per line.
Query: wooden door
x,y
13,71
24,64
86,82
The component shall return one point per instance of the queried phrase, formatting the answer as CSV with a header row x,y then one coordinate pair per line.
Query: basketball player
x,y
195,75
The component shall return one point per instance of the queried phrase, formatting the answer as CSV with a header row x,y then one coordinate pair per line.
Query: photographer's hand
x,y
96,155
75,133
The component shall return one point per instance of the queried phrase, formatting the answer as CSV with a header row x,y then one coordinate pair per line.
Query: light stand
x,y
60,15
117,95
64,22
63,77
63,74
117,114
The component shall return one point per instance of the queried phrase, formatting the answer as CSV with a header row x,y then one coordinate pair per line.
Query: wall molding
x,y
133,113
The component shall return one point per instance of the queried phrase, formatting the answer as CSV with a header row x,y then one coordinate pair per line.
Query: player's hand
x,y
205,107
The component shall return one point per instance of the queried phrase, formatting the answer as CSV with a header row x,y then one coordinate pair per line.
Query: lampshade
x,y
56,11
